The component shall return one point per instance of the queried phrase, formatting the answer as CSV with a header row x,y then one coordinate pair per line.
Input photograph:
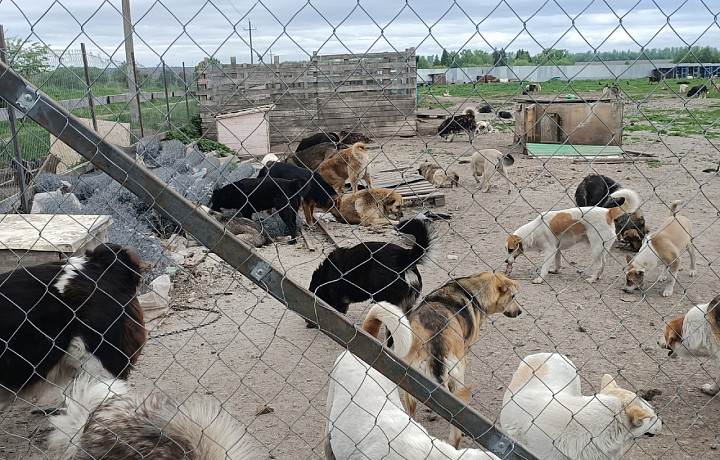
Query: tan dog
x,y
672,239
433,173
486,162
347,163
369,207
443,328
695,335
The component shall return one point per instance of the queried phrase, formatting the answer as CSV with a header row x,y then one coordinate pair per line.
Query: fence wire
x,y
195,268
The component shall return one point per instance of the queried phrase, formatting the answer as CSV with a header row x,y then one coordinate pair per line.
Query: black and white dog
x,y
61,317
464,123
700,91
375,270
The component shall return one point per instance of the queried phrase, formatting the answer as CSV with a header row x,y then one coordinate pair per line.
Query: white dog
x,y
366,419
554,230
544,409
484,127
683,88
486,161
694,335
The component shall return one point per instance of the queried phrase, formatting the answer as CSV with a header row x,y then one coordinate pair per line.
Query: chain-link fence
x,y
481,130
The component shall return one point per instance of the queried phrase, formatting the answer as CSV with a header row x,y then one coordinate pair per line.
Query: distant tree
x,y
445,58
551,56
521,54
436,61
27,58
697,55
424,63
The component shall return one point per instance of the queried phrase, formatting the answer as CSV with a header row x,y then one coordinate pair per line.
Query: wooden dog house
x,y
571,122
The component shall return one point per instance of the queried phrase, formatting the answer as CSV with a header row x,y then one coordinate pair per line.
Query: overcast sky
x,y
189,30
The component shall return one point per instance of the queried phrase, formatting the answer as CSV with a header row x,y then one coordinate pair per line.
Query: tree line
x,y
502,57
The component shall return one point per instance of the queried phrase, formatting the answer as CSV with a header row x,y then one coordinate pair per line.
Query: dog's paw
x,y
710,389
667,292
554,271
538,280
693,272
591,279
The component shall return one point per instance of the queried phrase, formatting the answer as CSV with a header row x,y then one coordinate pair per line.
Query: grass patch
x,y
654,163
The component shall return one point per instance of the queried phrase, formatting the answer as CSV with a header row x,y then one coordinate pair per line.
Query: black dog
x,y
485,109
595,190
700,90
59,316
504,114
317,139
464,123
316,190
375,270
254,195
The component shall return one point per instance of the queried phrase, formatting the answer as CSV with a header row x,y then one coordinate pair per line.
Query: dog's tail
x,y
713,316
385,313
674,205
508,160
425,239
628,205
357,146
470,111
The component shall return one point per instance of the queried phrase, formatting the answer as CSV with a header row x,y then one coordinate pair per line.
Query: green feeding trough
x,y
573,151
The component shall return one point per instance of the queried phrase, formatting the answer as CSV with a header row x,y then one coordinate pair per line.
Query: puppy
x,y
369,207
484,127
672,239
312,157
316,189
464,123
683,88
544,408
697,334
375,270
595,190
347,163
485,162
533,88
444,327
555,229
365,419
254,195
246,229
317,139
104,420
433,173
61,317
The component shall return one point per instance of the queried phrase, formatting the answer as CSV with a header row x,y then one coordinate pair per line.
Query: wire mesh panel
x,y
227,203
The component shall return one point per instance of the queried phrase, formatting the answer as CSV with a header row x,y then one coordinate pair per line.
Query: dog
x,y
464,123
254,195
700,91
485,109
683,88
375,270
312,157
369,207
433,173
555,229
485,162
316,189
269,159
365,419
695,335
347,164
595,190
544,408
444,327
504,114
671,240
62,317
246,229
105,420
318,138
484,127
533,88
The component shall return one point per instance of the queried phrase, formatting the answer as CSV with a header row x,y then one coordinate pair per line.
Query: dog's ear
x,y
628,258
636,415
607,383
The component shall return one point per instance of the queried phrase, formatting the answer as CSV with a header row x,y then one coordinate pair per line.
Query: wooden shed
x,y
245,131
569,121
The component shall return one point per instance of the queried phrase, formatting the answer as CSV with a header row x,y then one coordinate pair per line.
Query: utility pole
x,y
130,67
250,29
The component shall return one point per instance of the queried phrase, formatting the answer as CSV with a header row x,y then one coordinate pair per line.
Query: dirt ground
x,y
259,353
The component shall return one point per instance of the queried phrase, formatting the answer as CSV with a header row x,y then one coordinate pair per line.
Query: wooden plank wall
x,y
373,94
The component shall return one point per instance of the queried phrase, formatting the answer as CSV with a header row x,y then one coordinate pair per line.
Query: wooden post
x,y
18,161
137,95
187,90
167,100
91,101
130,66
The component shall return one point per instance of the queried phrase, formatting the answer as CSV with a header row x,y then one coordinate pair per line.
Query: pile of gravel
x,y
184,169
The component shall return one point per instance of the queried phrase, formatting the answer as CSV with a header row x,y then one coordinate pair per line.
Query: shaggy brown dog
x,y
444,327
463,123
433,173
347,163
369,207
311,158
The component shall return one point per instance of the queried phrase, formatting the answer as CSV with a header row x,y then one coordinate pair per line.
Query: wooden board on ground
x,y
410,185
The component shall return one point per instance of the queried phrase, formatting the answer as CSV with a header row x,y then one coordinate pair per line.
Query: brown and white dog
x,y
433,173
672,239
369,207
483,127
553,230
444,327
697,334
104,420
347,163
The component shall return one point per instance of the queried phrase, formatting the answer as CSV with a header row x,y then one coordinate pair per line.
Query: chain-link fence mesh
x,y
217,118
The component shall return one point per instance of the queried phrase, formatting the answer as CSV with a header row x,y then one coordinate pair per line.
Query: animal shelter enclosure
x,y
409,284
